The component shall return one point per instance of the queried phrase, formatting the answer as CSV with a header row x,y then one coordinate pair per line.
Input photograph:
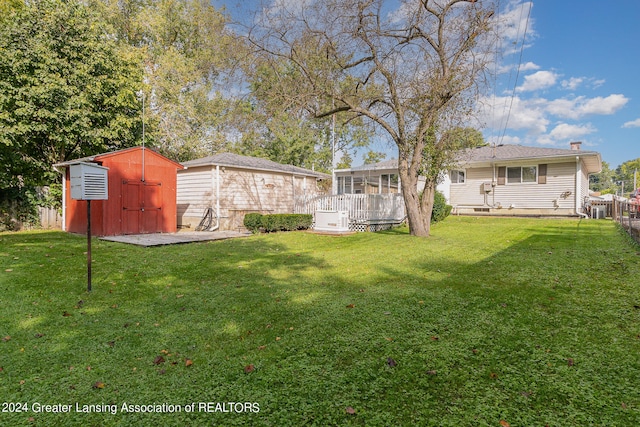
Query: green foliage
x,y
625,172
441,209
186,53
19,208
373,157
255,222
284,131
67,90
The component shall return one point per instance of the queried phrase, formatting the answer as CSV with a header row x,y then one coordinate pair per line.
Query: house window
x,y
457,176
522,174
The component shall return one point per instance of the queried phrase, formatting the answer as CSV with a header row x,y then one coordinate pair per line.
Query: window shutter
x,y
542,174
502,173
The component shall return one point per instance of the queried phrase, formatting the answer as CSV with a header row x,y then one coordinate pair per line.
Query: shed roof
x,y
245,162
101,156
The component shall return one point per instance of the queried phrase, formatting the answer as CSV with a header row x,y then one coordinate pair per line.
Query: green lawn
x,y
489,321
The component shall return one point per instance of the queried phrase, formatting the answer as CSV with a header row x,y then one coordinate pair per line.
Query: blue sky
x,y
577,81
578,78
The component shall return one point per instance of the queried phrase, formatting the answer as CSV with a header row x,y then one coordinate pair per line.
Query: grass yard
x,y
490,322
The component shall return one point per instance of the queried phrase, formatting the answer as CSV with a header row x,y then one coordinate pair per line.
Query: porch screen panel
x,y
384,187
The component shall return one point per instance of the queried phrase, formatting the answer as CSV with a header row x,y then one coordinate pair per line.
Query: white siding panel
x,y
195,192
557,193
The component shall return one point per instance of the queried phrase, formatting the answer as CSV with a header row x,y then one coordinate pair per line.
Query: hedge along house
x,y
141,195
517,180
228,186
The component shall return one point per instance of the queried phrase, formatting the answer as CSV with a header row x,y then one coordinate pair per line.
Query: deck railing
x,y
361,207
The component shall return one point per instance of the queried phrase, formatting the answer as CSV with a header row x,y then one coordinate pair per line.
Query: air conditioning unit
x,y
337,221
598,212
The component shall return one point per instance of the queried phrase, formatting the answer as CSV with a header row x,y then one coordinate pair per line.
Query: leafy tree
x,y
626,171
603,182
374,157
187,55
66,90
280,127
412,74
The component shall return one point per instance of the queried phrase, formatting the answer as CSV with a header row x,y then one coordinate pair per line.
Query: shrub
x,y
253,222
441,209
277,222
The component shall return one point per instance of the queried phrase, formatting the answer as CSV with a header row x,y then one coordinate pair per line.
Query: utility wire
x,y
515,83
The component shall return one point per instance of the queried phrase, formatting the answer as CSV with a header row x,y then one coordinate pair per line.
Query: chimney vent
x,y
575,145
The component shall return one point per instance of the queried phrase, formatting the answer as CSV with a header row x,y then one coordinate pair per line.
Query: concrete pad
x,y
159,239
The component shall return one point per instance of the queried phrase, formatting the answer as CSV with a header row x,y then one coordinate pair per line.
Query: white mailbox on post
x,y
88,181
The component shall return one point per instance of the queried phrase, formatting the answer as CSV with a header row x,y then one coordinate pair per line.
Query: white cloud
x,y
529,66
566,131
581,106
512,23
572,83
516,114
632,124
538,80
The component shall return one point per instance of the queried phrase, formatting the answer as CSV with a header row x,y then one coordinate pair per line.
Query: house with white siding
x,y
228,186
518,180
496,180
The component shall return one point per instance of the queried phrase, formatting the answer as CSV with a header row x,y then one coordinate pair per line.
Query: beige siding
x,y
241,191
556,196
195,193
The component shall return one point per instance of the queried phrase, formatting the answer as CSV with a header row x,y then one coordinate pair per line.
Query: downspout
x,y
579,188
215,227
64,199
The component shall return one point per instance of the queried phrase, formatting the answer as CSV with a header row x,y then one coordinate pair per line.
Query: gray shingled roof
x,y
507,152
518,152
244,162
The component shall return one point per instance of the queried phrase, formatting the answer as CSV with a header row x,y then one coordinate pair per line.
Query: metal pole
x,y
89,245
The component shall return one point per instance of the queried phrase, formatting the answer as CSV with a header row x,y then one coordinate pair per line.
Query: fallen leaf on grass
x,y
503,423
388,338
349,410
351,306
392,363
432,372
38,335
570,362
8,270
158,360
249,368
188,362
66,314
435,338
7,338
493,375
98,385
262,347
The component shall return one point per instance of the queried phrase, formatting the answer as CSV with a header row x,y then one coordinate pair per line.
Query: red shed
x,y
142,195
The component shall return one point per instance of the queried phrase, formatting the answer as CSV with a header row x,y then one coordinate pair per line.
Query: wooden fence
x,y
369,208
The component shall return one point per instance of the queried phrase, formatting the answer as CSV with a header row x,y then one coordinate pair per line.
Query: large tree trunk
x,y
419,224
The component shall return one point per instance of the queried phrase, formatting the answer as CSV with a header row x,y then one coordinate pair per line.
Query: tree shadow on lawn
x,y
490,335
